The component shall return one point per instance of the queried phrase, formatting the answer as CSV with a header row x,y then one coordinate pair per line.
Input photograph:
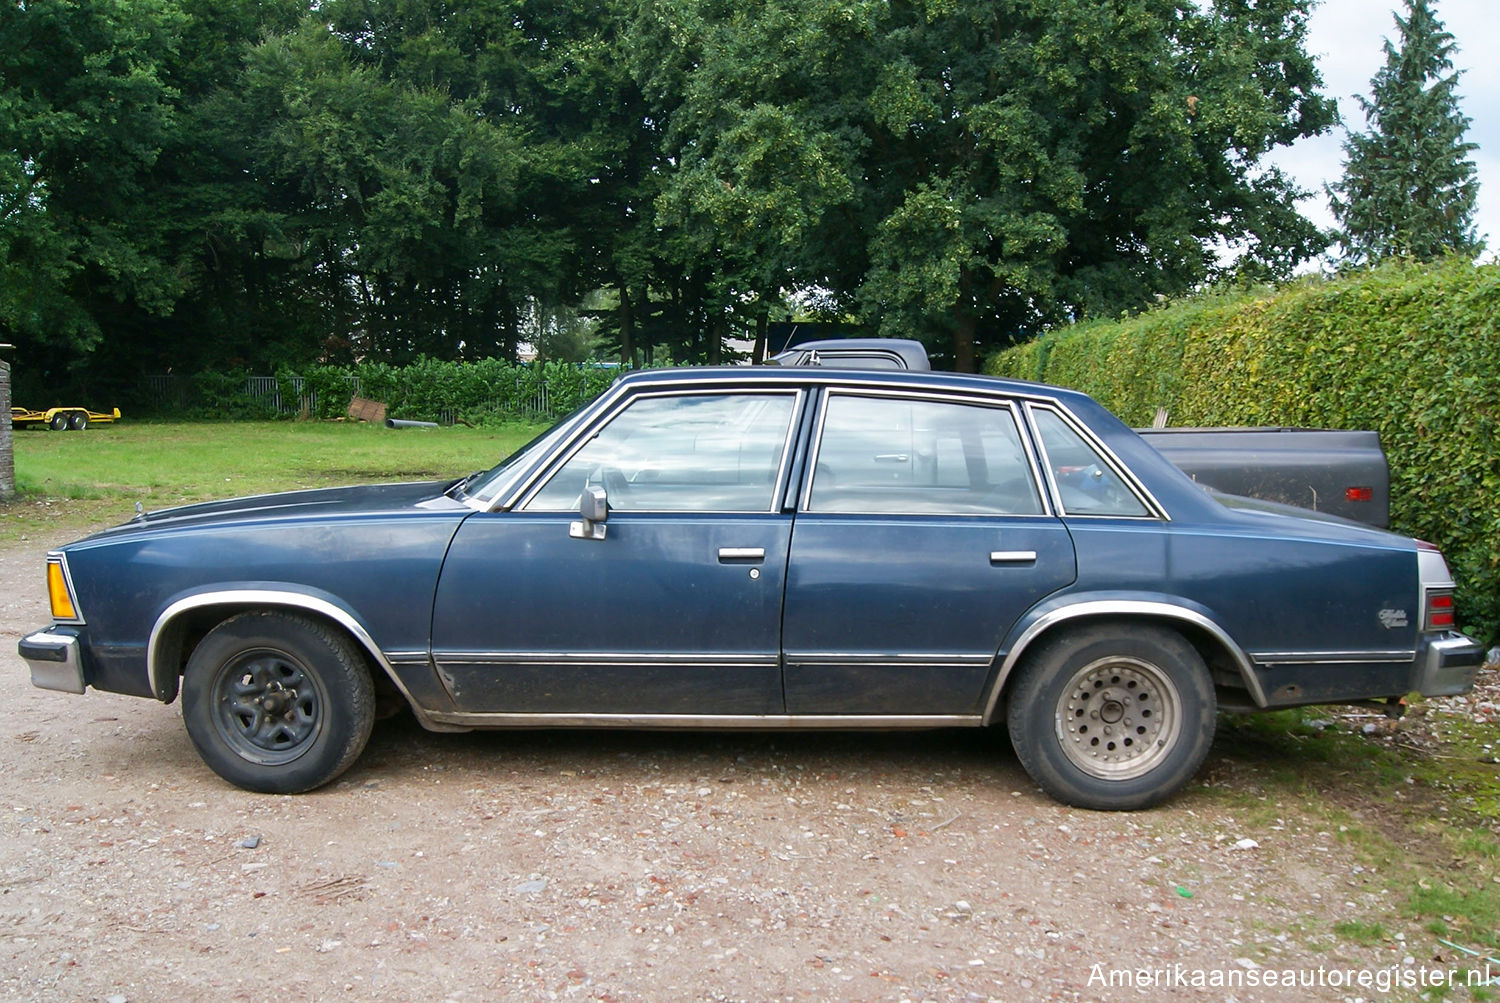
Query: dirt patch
x,y
628,866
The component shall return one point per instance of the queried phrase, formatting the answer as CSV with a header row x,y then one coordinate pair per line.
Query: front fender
x,y
163,645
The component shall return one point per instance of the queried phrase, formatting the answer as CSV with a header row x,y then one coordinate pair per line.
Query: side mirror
x,y
593,508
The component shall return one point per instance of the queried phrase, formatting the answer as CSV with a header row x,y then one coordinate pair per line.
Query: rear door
x,y
921,536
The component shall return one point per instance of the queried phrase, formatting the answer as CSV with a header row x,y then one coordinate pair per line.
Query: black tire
x,y
276,702
58,421
78,421
1112,717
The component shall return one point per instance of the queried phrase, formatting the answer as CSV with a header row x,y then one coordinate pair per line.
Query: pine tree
x,y
1409,187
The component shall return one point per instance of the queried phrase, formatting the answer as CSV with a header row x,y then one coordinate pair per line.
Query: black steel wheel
x,y
276,702
1112,716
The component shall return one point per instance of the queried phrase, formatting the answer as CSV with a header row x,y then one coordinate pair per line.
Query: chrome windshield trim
x,y
734,722
586,419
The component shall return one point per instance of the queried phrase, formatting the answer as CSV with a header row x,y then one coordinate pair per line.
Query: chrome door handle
x,y
742,553
1012,557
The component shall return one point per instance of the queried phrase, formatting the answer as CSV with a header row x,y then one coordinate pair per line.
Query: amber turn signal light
x,y
63,607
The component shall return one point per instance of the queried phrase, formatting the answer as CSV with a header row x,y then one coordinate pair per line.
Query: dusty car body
x,y
763,547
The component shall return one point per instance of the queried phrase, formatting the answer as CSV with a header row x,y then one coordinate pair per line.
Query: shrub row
x,y
432,390
425,390
1410,351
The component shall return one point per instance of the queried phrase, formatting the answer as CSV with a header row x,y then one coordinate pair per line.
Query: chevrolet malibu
x,y
763,548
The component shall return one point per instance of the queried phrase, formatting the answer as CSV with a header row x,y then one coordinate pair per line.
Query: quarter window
x,y
1086,483
684,453
880,455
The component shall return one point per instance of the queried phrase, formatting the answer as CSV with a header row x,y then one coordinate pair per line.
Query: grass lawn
x,y
69,482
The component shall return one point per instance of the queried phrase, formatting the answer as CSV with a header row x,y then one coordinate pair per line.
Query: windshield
x,y
480,491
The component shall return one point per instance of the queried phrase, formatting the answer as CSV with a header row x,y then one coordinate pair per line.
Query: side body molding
x,y
1137,609
163,675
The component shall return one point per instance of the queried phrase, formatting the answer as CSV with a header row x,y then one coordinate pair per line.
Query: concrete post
x,y
7,457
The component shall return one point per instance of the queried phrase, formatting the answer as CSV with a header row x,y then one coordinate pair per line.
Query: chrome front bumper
x,y
1447,665
54,657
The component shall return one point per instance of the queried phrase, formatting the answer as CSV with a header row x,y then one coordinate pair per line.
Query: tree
x,y
85,108
1409,188
973,171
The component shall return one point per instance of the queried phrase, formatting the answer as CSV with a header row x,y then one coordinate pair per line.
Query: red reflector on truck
x,y
1359,494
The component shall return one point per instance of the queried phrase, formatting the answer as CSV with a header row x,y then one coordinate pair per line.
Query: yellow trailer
x,y
58,418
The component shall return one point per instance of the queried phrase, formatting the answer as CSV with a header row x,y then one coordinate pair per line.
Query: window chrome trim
x,y
963,398
609,412
1135,608
1154,509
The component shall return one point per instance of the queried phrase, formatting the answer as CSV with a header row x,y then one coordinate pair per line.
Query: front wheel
x,y
1112,717
277,703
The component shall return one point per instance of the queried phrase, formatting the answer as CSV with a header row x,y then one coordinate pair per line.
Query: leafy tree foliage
x,y
1409,188
976,170
84,110
261,183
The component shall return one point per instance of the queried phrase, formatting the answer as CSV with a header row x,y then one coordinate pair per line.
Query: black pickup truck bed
x,y
1337,471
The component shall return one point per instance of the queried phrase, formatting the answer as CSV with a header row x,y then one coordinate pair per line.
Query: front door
x,y
920,539
675,611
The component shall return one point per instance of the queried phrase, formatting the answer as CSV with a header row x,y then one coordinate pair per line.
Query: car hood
x,y
320,503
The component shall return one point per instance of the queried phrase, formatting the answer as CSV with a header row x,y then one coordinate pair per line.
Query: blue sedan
x,y
762,548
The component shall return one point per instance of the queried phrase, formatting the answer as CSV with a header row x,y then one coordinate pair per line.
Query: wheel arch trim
x,y
1140,610
163,677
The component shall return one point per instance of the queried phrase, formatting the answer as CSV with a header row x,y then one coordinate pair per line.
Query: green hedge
x,y
429,390
1410,351
425,390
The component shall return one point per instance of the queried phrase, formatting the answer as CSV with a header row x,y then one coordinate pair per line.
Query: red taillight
x,y
1359,494
1439,611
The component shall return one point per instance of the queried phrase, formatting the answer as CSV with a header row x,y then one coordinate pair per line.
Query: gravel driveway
x,y
627,866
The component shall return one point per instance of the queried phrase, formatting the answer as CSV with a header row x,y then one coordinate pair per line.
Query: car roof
x,y
832,376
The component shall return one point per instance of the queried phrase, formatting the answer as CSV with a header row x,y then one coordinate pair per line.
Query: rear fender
x,y
1073,610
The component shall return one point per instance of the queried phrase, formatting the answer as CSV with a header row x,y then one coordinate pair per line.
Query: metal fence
x,y
269,388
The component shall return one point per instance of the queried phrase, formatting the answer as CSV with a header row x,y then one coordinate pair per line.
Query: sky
x,y
1347,37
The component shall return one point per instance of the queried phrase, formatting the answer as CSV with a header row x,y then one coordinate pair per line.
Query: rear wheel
x,y
78,421
277,703
1116,716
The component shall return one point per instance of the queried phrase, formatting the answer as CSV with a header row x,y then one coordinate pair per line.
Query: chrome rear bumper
x,y
1447,664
